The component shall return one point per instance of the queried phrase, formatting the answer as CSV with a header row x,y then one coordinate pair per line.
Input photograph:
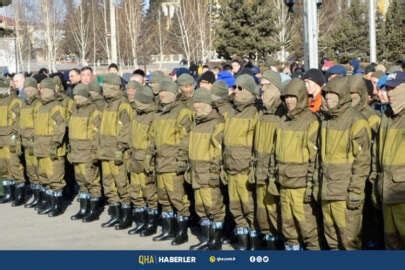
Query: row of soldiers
x,y
290,178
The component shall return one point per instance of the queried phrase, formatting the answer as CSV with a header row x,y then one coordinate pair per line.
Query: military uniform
x,y
169,136
345,156
83,131
11,169
26,124
205,155
143,192
50,149
296,151
239,164
114,140
390,188
222,100
267,194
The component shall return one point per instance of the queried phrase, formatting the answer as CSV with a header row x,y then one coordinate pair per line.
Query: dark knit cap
x,y
208,76
316,76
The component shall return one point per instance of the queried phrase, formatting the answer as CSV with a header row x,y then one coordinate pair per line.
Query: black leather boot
x,y
215,242
204,238
242,241
35,197
84,207
139,218
56,204
19,195
9,191
181,231
270,242
151,226
168,230
46,206
114,211
125,218
94,211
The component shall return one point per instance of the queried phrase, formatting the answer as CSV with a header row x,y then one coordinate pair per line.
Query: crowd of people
x,y
262,158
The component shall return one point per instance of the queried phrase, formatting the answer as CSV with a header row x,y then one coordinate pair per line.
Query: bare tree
x,y
48,15
80,29
133,19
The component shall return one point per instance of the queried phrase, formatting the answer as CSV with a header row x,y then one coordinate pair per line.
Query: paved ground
x,y
22,228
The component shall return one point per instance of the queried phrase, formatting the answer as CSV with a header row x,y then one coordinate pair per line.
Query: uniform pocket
x,y
398,175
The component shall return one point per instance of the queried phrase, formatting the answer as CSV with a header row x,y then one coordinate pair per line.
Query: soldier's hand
x,y
354,201
308,198
181,167
118,162
272,188
223,177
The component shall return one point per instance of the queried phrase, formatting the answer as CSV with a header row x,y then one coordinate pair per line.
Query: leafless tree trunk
x,y
48,11
107,46
80,28
133,18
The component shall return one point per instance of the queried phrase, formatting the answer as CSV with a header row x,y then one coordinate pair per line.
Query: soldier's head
x,y
30,87
202,102
337,93
219,90
186,84
139,76
94,89
81,94
4,87
358,91
132,88
168,91
86,75
295,95
155,78
271,85
246,89
144,99
112,85
47,89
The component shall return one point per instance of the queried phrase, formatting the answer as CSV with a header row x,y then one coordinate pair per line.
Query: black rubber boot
x,y
181,232
9,191
125,218
270,242
255,242
84,208
215,242
151,226
94,211
139,218
242,241
168,230
46,207
204,238
56,204
19,195
35,197
114,211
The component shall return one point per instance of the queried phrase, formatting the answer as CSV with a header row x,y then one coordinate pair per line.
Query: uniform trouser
x,y
88,177
241,203
115,182
52,172
394,225
298,219
142,190
209,204
266,210
31,167
10,166
342,226
171,194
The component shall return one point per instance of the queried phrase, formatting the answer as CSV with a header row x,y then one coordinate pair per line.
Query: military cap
x,y
94,86
48,83
273,77
185,79
144,94
203,96
169,86
81,90
156,76
134,85
220,89
247,82
30,82
112,79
